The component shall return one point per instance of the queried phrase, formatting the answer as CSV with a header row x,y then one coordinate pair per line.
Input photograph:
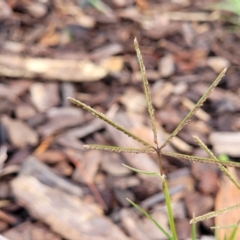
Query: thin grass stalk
x,y
169,207
194,230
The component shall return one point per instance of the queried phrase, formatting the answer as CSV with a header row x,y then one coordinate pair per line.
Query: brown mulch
x,y
50,186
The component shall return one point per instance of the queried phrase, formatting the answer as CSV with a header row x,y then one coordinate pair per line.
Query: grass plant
x,y
158,150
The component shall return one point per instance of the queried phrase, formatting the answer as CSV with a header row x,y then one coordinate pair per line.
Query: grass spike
x,y
220,165
226,226
140,171
196,107
119,149
201,159
107,120
213,214
146,90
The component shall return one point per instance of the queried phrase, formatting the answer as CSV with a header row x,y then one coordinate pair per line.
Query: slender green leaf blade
x,y
201,159
107,120
119,149
150,218
140,171
213,214
196,107
169,207
146,90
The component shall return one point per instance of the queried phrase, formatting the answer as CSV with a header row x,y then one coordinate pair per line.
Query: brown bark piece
x,y
66,215
227,196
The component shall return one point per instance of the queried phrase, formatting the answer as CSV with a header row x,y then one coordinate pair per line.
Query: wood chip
x,y
132,225
137,104
33,231
166,66
112,64
50,69
226,143
198,204
78,219
69,116
44,95
25,111
42,173
160,93
16,129
112,164
218,63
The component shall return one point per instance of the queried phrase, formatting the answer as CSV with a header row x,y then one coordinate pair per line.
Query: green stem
x,y
194,230
169,208
167,197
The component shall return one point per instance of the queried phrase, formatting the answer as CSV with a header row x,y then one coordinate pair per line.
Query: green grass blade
x,y
214,214
169,207
146,90
118,149
140,171
150,218
107,120
202,159
196,107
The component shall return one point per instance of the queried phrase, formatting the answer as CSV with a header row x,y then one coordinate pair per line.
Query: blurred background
x,y
50,186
